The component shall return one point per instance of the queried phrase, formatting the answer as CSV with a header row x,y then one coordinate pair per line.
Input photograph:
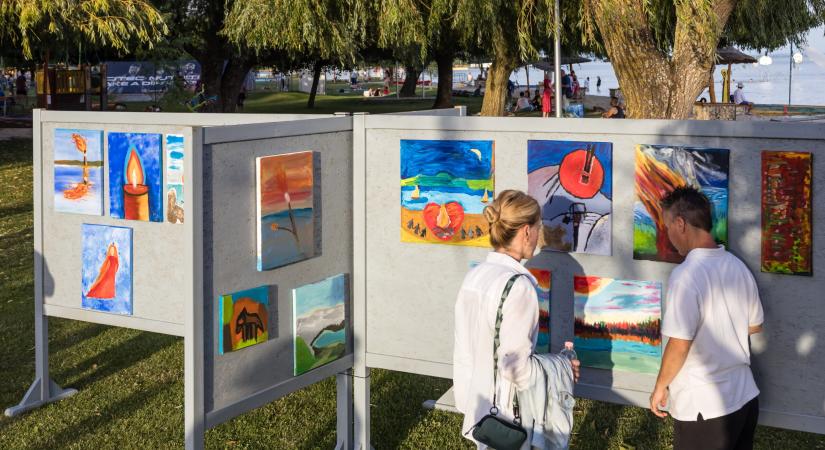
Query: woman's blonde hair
x,y
510,211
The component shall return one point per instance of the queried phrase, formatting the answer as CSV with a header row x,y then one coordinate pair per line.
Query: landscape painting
x,y
319,322
543,293
445,186
618,324
135,175
244,319
572,181
174,178
106,268
78,171
787,237
660,170
285,225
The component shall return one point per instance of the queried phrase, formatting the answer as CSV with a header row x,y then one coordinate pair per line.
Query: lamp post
x,y
557,56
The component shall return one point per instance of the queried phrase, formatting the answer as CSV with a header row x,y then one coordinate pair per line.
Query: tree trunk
x,y
234,76
211,75
444,92
711,88
410,81
316,76
495,96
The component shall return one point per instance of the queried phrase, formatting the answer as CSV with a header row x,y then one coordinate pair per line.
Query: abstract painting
x,y
174,178
572,181
244,319
660,170
106,269
787,239
618,323
135,176
286,227
445,186
78,171
543,293
319,322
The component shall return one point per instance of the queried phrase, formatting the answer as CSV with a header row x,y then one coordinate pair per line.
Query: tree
x,y
663,51
325,31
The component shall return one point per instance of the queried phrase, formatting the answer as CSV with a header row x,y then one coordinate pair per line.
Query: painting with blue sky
x,y
106,269
445,186
78,171
319,322
135,175
174,178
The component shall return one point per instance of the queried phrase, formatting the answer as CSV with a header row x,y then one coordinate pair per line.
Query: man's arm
x,y
673,359
754,329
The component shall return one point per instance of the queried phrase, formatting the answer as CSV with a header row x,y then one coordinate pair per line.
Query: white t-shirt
x,y
738,96
712,300
523,102
475,317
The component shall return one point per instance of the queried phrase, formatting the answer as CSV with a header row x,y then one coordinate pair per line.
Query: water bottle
x,y
568,351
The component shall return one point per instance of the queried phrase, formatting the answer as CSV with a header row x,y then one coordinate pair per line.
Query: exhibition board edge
x,y
170,119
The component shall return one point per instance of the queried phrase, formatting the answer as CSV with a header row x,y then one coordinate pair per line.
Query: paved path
x,y
15,133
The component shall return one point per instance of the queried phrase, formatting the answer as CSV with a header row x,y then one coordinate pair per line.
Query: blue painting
x,y
174,178
319,322
135,175
78,171
445,186
106,283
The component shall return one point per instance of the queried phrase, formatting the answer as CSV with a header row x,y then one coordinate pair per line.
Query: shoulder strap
x,y
499,318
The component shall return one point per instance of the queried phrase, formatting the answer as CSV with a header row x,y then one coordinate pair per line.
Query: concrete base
x,y
445,403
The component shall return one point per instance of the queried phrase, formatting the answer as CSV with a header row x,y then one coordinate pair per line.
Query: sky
x,y
618,300
471,160
323,294
290,172
65,148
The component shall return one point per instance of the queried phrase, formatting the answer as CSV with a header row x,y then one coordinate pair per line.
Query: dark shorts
x,y
732,432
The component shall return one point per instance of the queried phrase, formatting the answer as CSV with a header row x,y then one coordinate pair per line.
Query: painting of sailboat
x,y
78,171
319,322
445,186
106,280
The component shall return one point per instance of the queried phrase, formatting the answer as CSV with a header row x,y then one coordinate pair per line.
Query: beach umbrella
x,y
727,55
549,66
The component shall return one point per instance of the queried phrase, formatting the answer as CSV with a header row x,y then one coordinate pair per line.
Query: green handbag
x,y
491,430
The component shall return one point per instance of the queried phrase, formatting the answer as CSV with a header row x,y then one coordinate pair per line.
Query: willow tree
x,y
323,30
103,23
663,51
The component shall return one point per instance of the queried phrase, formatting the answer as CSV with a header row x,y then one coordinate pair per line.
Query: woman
x,y
515,223
546,99
616,111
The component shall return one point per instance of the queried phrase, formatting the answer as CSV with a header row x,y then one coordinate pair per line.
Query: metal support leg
x,y
343,428
361,391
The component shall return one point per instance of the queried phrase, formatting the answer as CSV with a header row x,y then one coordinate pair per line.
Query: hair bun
x,y
492,214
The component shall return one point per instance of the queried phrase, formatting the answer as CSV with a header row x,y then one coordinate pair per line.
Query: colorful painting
x,y
78,171
286,227
572,181
787,240
174,178
543,293
319,322
135,177
106,283
445,186
618,324
660,170
244,319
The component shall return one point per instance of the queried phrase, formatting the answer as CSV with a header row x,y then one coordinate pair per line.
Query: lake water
x,y
618,354
278,247
328,338
470,202
67,176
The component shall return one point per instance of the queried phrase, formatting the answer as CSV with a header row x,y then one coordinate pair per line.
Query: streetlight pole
x,y
557,57
790,74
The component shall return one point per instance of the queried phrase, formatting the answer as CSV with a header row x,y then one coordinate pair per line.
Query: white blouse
x,y
475,317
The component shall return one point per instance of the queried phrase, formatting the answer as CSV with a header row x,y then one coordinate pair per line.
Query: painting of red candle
x,y
107,268
618,323
244,319
445,186
787,238
78,171
286,218
572,181
661,169
135,175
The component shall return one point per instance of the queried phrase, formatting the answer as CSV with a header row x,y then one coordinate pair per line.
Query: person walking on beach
x,y
598,84
711,309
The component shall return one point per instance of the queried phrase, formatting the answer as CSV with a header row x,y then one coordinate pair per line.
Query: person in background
x,y
514,219
575,84
536,101
21,88
616,111
586,85
523,103
566,85
739,98
547,99
711,309
241,98
598,84
510,88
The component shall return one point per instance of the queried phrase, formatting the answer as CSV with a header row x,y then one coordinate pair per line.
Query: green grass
x,y
131,382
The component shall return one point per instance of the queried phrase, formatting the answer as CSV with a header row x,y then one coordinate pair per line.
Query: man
x,y
711,309
586,85
523,103
739,98
566,85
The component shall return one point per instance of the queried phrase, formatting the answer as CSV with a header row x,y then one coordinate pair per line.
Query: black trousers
x,y
732,432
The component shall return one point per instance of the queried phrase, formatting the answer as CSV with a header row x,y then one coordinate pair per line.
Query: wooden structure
x,y
71,89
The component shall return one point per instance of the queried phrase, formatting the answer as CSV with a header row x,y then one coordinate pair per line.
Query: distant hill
x,y
71,162
444,179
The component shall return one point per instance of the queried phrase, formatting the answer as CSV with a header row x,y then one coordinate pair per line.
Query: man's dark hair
x,y
690,204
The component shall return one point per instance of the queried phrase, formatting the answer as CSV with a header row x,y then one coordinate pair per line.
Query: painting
x,y
618,324
445,186
174,178
787,239
244,319
135,176
78,171
660,170
286,227
572,181
543,293
319,322
106,268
